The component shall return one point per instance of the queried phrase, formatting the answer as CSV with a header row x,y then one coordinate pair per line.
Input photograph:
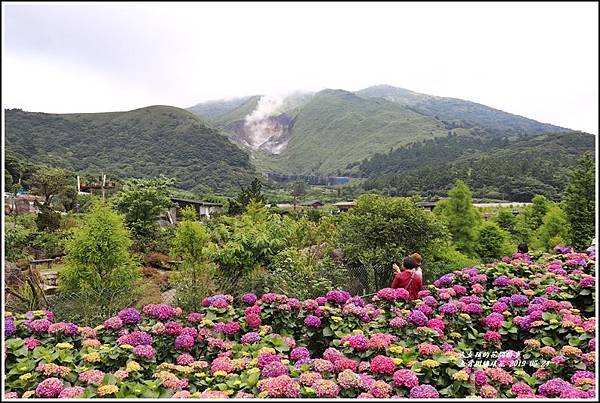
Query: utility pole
x,y
103,184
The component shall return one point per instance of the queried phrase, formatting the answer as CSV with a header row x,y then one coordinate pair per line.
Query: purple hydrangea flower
x,y
553,387
184,342
231,328
337,296
299,353
587,282
129,316
424,392
519,300
501,281
249,298
39,325
250,338
312,321
448,309
418,318
273,369
144,351
9,327
473,308
136,338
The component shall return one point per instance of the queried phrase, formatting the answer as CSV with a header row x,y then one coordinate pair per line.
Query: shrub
x,y
99,268
554,229
461,217
579,202
381,229
441,258
194,276
141,201
15,241
492,241
51,244
333,346
47,219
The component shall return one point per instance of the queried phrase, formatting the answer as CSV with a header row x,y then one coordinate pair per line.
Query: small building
x,y
312,203
344,205
23,203
203,209
429,205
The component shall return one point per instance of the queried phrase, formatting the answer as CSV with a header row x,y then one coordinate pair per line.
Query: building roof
x,y
344,203
426,204
196,202
311,202
29,197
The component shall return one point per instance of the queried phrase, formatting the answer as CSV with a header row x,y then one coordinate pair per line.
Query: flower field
x,y
521,327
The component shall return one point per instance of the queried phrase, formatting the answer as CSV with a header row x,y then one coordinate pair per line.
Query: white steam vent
x,y
260,128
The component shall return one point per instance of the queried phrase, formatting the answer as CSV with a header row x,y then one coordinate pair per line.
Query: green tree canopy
x,y
554,230
49,182
246,243
142,201
492,241
506,220
98,254
380,229
100,276
462,218
194,277
579,203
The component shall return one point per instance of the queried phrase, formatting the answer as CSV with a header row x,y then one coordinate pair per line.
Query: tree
x,y
49,182
142,201
194,277
554,230
298,190
247,195
491,241
47,219
531,217
506,220
252,193
380,229
245,244
579,202
69,199
461,216
100,274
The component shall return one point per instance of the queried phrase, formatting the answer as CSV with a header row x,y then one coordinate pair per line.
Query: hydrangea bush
x,y
527,309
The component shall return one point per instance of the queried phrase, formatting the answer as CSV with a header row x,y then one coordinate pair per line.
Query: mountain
x,y
212,109
143,142
459,113
324,132
327,132
496,168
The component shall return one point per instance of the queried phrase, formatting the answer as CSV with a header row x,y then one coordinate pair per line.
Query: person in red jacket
x,y
410,278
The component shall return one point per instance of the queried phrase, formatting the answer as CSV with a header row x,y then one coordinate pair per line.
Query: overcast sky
x,y
539,60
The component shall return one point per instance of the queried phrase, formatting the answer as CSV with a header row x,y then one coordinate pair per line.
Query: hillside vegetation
x,y
335,128
493,167
332,129
144,142
460,113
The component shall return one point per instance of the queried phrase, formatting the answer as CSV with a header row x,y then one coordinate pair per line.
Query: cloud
x,y
536,60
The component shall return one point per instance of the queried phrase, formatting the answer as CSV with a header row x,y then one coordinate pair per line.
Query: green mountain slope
x,y
211,109
235,114
337,128
325,132
144,142
459,113
493,167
